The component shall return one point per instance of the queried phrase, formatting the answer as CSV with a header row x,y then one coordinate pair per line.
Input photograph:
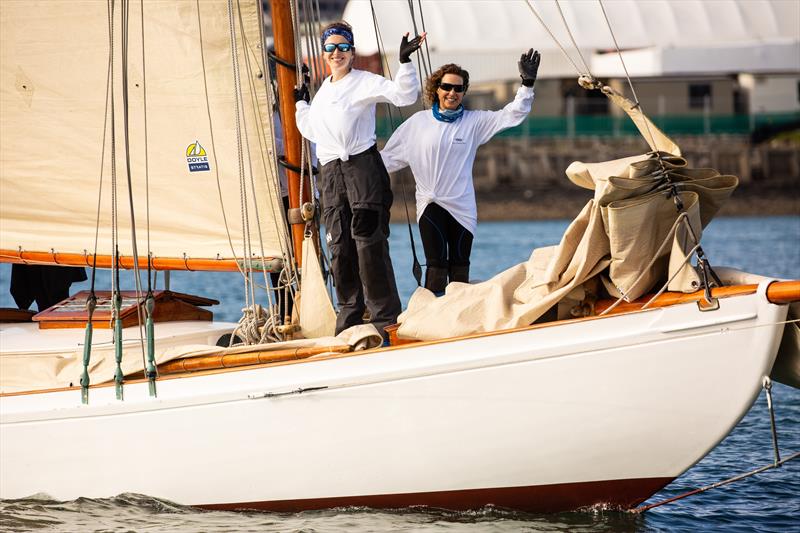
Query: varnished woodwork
x,y
8,314
127,262
169,307
213,362
283,32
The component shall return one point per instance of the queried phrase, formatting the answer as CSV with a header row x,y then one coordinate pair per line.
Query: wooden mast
x,y
283,34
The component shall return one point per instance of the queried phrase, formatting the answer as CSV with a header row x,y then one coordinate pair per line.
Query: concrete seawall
x,y
523,178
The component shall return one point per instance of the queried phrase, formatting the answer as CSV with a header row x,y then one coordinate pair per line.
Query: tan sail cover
x,y
45,367
198,126
317,317
629,234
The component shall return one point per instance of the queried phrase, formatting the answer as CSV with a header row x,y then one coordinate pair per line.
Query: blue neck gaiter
x,y
447,115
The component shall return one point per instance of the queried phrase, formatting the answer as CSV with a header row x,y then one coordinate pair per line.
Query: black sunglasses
x,y
447,87
343,47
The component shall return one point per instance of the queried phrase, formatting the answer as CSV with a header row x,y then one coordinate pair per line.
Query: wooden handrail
x,y
778,292
215,362
784,292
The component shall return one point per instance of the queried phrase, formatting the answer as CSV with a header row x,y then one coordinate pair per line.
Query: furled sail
x,y
196,118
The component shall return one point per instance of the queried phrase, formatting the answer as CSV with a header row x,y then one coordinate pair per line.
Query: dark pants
x,y
356,197
47,285
447,246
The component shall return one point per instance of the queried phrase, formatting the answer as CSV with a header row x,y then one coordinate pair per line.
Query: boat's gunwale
x,y
665,300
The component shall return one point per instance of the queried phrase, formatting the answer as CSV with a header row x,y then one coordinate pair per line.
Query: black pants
x,y
447,246
47,285
356,197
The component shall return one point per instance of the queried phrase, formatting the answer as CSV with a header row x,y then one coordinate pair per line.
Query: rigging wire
x,y
125,18
213,143
245,219
619,53
574,43
421,66
555,40
427,51
416,268
261,136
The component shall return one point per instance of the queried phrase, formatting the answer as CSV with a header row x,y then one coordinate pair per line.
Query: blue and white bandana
x,y
338,31
447,115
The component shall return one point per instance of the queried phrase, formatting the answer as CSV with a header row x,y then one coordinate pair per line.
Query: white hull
x,y
549,418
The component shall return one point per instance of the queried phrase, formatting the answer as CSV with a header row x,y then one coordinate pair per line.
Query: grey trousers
x,y
356,197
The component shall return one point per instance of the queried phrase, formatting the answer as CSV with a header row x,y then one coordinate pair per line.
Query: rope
x,y
427,51
575,44
262,148
249,292
627,76
656,255
715,485
421,67
213,143
558,44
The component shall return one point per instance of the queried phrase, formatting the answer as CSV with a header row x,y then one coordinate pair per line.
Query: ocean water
x,y
769,501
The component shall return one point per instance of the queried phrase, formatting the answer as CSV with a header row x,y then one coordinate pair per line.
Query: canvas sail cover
x,y
631,235
194,130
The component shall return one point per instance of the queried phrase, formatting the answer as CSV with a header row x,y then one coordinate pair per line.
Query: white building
x,y
688,56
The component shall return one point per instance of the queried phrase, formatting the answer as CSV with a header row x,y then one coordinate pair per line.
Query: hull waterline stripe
x,y
623,493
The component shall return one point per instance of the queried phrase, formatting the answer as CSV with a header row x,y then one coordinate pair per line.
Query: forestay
x,y
198,125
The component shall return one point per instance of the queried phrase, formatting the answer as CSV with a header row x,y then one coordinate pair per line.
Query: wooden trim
x,y
214,362
724,292
784,292
105,261
8,315
778,292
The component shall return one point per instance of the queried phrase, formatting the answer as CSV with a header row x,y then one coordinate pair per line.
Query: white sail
x,y
207,159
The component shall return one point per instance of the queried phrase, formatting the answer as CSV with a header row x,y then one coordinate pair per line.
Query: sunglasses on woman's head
x,y
447,87
343,47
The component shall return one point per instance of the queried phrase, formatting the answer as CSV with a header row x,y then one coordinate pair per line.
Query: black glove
x,y
409,47
302,94
528,67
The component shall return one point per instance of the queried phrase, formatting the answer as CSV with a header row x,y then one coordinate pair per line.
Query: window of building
x,y
698,92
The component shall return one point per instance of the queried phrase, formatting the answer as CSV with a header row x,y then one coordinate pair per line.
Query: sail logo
x,y
196,158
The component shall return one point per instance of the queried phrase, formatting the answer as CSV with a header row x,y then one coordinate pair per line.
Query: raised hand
x,y
528,67
409,47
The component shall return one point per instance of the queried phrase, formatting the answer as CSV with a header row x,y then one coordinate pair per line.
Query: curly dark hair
x,y
341,25
432,83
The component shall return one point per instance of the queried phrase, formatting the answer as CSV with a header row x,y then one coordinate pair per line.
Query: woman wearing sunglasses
x,y
440,145
354,184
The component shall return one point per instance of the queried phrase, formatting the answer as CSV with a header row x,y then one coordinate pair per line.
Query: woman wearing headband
x,y
356,194
440,145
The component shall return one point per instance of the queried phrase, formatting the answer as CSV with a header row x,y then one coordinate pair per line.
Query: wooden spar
x,y
214,362
105,261
283,34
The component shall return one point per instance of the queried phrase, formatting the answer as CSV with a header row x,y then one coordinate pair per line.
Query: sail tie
x,y
683,218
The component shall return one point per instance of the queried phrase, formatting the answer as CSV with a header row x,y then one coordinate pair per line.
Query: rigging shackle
x,y
589,82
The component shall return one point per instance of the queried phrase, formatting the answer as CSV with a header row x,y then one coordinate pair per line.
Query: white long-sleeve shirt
x,y
341,118
441,154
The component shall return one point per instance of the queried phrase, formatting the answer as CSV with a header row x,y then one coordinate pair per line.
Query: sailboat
x,y
603,409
